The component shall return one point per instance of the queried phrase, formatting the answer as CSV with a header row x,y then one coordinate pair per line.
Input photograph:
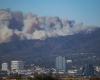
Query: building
x,y
69,61
97,68
17,66
88,70
3,74
60,64
4,67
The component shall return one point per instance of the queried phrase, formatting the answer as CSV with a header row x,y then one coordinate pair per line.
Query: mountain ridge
x,y
44,51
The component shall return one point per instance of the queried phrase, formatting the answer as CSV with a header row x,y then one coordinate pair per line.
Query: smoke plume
x,y
29,26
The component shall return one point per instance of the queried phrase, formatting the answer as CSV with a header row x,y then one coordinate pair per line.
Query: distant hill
x,y
39,39
81,48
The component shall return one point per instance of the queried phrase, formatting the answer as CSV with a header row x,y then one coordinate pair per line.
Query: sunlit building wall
x,y
60,64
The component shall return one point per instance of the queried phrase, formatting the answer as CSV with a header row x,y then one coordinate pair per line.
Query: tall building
x,y
60,64
4,67
17,66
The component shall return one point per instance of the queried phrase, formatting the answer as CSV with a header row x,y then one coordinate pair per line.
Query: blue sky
x,y
87,11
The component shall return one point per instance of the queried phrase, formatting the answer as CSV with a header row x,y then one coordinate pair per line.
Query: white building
x,y
97,68
17,66
60,64
72,72
4,67
68,61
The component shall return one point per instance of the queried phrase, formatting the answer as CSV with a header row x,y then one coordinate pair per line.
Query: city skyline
x,y
86,11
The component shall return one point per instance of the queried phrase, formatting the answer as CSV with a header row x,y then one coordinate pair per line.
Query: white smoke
x,y
30,23
5,34
36,27
39,34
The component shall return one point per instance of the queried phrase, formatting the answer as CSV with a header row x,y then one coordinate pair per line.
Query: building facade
x,y
17,66
88,70
60,64
4,67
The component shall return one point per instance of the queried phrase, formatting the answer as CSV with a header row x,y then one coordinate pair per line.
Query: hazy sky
x,y
87,11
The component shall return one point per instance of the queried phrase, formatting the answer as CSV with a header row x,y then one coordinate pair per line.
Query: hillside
x,y
43,52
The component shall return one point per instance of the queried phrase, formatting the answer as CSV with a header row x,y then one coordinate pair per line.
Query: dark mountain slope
x,y
44,51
